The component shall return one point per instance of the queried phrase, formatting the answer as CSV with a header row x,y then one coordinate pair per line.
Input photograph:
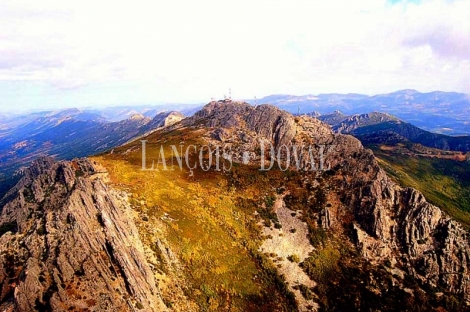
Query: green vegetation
x,y
322,264
269,201
80,173
41,230
8,227
28,195
293,258
444,182
305,291
268,216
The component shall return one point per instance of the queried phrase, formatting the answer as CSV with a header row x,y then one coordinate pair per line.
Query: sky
x,y
56,54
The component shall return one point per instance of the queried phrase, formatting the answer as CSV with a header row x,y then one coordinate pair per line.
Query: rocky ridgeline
x,y
67,240
398,225
241,127
264,120
164,119
391,224
351,123
68,244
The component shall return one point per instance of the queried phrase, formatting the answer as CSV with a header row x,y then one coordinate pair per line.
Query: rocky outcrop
x,y
350,123
265,121
397,225
68,244
424,241
243,129
165,119
389,224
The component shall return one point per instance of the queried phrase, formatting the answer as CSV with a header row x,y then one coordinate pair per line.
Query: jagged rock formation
x,y
164,119
161,120
244,116
398,224
67,241
347,124
389,223
68,244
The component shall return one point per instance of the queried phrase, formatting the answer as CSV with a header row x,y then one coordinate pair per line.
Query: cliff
x,y
386,223
69,244
354,239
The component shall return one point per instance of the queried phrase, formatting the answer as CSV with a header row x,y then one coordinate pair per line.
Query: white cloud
x,y
193,50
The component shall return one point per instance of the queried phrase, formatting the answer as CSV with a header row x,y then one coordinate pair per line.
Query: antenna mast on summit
x,y
230,93
256,104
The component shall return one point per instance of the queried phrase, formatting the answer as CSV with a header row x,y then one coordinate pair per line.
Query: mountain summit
x,y
200,238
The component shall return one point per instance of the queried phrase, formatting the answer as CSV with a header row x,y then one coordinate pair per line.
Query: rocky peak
x,y
263,121
68,243
390,224
137,117
351,123
397,225
170,118
165,119
222,114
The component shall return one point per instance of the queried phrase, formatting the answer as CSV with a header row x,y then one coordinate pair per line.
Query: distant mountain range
x,y
381,128
73,132
10,121
118,113
67,134
100,234
440,112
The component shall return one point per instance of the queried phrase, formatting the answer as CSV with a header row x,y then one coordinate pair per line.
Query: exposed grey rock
x,y
164,119
422,239
65,234
74,246
265,120
389,222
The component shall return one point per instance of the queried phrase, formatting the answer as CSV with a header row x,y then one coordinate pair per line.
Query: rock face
x,y
68,244
395,224
67,241
399,225
389,224
265,120
165,119
347,124
241,128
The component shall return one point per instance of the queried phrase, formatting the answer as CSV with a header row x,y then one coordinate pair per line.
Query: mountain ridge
x,y
383,209
376,127
69,236
383,243
437,111
66,137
